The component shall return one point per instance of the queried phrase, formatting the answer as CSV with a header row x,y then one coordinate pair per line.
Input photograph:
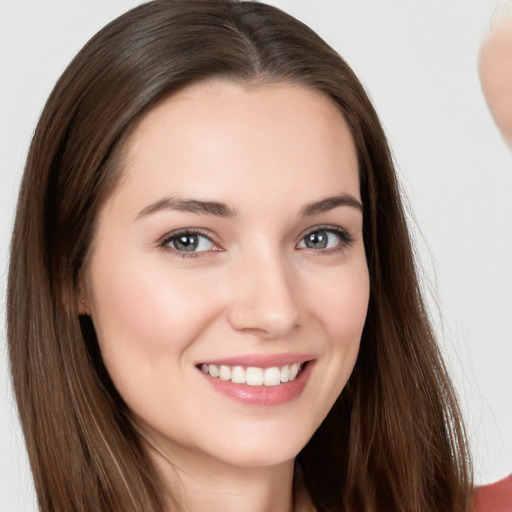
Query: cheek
x,y
343,306
343,303
339,303
144,319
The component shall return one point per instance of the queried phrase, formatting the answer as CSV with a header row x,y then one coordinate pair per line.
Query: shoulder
x,y
496,497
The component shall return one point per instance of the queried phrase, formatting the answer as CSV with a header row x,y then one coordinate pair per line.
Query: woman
x,y
212,296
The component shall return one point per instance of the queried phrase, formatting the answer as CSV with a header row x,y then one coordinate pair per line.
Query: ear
x,y
83,300
82,308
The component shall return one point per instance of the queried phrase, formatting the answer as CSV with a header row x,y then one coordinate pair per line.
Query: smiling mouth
x,y
254,375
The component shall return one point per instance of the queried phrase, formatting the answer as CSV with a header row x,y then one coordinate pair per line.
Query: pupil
x,y
186,243
317,240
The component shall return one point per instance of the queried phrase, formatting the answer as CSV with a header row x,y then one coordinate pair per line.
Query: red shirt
x,y
495,497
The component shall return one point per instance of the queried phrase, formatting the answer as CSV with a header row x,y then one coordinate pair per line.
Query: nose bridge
x,y
264,298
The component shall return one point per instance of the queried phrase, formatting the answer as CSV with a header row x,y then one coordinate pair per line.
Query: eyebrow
x,y
217,209
330,203
188,205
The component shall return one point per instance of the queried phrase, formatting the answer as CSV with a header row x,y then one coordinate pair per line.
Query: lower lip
x,y
262,395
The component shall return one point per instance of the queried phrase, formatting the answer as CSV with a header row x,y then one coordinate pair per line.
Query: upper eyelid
x,y
325,227
186,231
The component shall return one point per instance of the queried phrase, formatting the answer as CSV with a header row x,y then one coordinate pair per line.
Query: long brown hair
x,y
394,439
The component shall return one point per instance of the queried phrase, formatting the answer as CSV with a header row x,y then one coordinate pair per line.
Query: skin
x,y
253,288
495,67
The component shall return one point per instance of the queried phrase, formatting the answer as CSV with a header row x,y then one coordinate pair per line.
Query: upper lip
x,y
261,360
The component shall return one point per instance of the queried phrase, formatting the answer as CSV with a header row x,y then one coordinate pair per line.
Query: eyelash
x,y
345,239
170,237
344,236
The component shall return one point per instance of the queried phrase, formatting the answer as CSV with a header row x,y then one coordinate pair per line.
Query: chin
x,y
268,447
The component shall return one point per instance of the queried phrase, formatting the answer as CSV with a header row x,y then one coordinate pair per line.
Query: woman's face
x,y
229,255
495,66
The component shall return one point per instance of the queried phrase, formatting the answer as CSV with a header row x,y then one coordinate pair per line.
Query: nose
x,y
265,301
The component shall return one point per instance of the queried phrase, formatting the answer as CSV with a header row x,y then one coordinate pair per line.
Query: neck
x,y
202,483
194,481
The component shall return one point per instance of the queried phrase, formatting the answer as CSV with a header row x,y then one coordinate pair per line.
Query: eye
x,y
189,242
325,239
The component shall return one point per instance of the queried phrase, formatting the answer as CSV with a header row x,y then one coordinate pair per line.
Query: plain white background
x,y
418,61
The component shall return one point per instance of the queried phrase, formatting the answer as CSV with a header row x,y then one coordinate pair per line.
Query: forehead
x,y
220,136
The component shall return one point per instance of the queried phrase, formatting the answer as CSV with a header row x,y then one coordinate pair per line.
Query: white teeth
x,y
238,375
294,369
272,376
253,376
225,373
